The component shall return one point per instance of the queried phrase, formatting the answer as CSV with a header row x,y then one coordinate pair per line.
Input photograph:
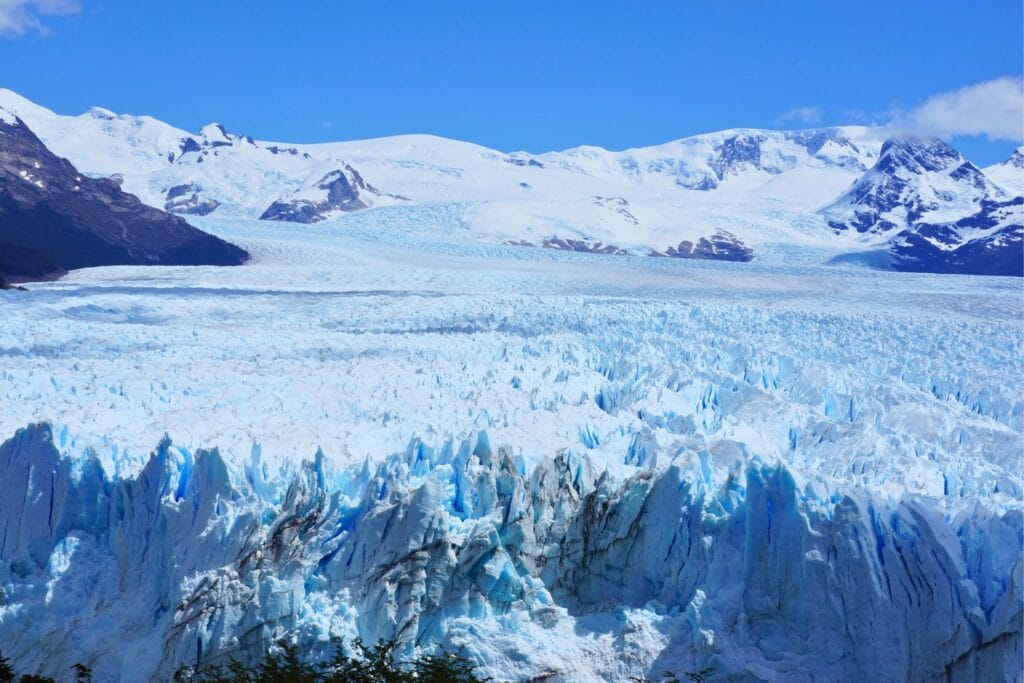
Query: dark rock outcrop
x,y
744,150
5,285
941,248
339,190
342,194
54,219
722,246
523,161
619,205
361,184
583,246
186,199
899,191
737,152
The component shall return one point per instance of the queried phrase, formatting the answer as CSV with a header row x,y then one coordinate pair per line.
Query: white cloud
x,y
803,115
994,108
18,17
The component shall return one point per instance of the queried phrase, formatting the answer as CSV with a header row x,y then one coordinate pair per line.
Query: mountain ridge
x,y
54,219
760,187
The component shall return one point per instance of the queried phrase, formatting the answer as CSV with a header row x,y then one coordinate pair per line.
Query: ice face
x,y
567,465
739,568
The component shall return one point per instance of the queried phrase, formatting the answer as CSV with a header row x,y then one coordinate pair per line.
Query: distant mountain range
x,y
728,195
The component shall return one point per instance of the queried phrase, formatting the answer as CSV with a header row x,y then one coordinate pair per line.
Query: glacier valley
x,y
566,466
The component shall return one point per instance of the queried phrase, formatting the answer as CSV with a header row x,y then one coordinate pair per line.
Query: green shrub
x,y
367,664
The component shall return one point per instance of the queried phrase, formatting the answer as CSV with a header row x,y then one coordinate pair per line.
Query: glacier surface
x,y
565,466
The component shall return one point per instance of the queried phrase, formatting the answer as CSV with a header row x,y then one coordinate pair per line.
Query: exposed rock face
x,y
4,285
358,181
618,204
53,219
522,160
565,244
186,199
736,153
745,151
912,179
722,246
209,564
336,191
941,248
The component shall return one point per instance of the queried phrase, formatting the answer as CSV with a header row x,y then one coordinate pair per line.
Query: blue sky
x,y
523,75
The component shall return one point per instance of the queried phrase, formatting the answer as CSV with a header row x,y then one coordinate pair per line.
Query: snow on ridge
x,y
1009,174
101,113
215,130
764,187
244,179
23,107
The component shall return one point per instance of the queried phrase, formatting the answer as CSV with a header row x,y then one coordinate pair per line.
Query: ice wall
x,y
561,570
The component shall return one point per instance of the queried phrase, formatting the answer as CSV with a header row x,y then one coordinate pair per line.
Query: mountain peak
x,y
101,113
918,154
916,180
214,131
1009,174
1017,158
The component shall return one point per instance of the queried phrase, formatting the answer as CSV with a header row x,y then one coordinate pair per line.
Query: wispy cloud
x,y
802,115
993,108
18,17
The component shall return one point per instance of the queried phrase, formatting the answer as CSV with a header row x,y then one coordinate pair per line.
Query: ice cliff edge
x,y
561,571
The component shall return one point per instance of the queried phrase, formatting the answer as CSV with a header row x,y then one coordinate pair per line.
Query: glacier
x,y
564,466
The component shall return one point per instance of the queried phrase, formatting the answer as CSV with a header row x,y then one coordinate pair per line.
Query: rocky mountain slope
x,y
54,218
936,211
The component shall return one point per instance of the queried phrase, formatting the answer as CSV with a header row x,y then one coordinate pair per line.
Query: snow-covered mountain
x,y
753,189
221,171
913,181
1009,175
935,210
987,242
